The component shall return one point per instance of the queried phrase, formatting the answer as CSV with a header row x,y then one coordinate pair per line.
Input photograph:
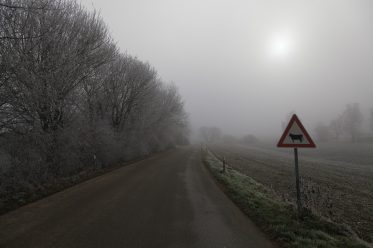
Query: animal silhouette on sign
x,y
294,137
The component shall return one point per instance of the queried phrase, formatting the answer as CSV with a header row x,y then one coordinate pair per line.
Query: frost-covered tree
x,y
336,127
42,73
210,134
129,81
69,100
352,120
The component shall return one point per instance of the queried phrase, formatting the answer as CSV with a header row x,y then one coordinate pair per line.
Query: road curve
x,y
169,200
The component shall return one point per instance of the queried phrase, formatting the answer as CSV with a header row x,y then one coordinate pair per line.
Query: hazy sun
x,y
281,45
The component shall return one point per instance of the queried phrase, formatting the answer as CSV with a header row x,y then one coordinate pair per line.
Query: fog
x,y
244,65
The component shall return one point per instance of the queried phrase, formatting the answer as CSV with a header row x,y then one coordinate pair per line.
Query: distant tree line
x,y
346,126
70,100
211,135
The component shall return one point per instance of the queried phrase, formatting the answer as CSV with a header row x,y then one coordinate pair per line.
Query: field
x,y
337,179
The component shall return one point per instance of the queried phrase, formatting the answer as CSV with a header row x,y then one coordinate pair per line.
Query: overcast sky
x,y
244,65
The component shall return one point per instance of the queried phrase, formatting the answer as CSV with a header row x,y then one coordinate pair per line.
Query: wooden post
x,y
299,202
224,162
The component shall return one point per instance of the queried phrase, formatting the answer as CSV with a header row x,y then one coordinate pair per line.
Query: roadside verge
x,y
275,217
13,199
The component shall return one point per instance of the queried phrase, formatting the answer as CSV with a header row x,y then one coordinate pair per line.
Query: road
x,y
169,200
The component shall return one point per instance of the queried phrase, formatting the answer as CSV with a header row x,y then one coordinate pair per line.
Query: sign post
x,y
299,202
295,136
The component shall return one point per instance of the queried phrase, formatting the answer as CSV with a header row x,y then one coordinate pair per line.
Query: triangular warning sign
x,y
295,135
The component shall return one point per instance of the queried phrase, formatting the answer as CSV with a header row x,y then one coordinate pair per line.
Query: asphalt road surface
x,y
169,200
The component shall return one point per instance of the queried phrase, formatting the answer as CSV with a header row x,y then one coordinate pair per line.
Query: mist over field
x,y
244,65
143,123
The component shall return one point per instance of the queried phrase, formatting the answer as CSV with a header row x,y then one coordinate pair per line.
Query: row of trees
x,y
210,135
347,125
70,100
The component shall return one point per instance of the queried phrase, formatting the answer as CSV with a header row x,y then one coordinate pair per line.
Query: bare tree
x,y
129,81
163,117
10,10
352,120
336,127
42,73
210,134
69,101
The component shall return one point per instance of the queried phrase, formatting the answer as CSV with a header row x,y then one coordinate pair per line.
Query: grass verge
x,y
277,218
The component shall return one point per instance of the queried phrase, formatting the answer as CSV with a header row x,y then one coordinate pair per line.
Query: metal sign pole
x,y
299,203
295,131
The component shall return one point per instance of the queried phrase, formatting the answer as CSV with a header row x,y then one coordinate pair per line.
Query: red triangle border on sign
x,y
293,119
